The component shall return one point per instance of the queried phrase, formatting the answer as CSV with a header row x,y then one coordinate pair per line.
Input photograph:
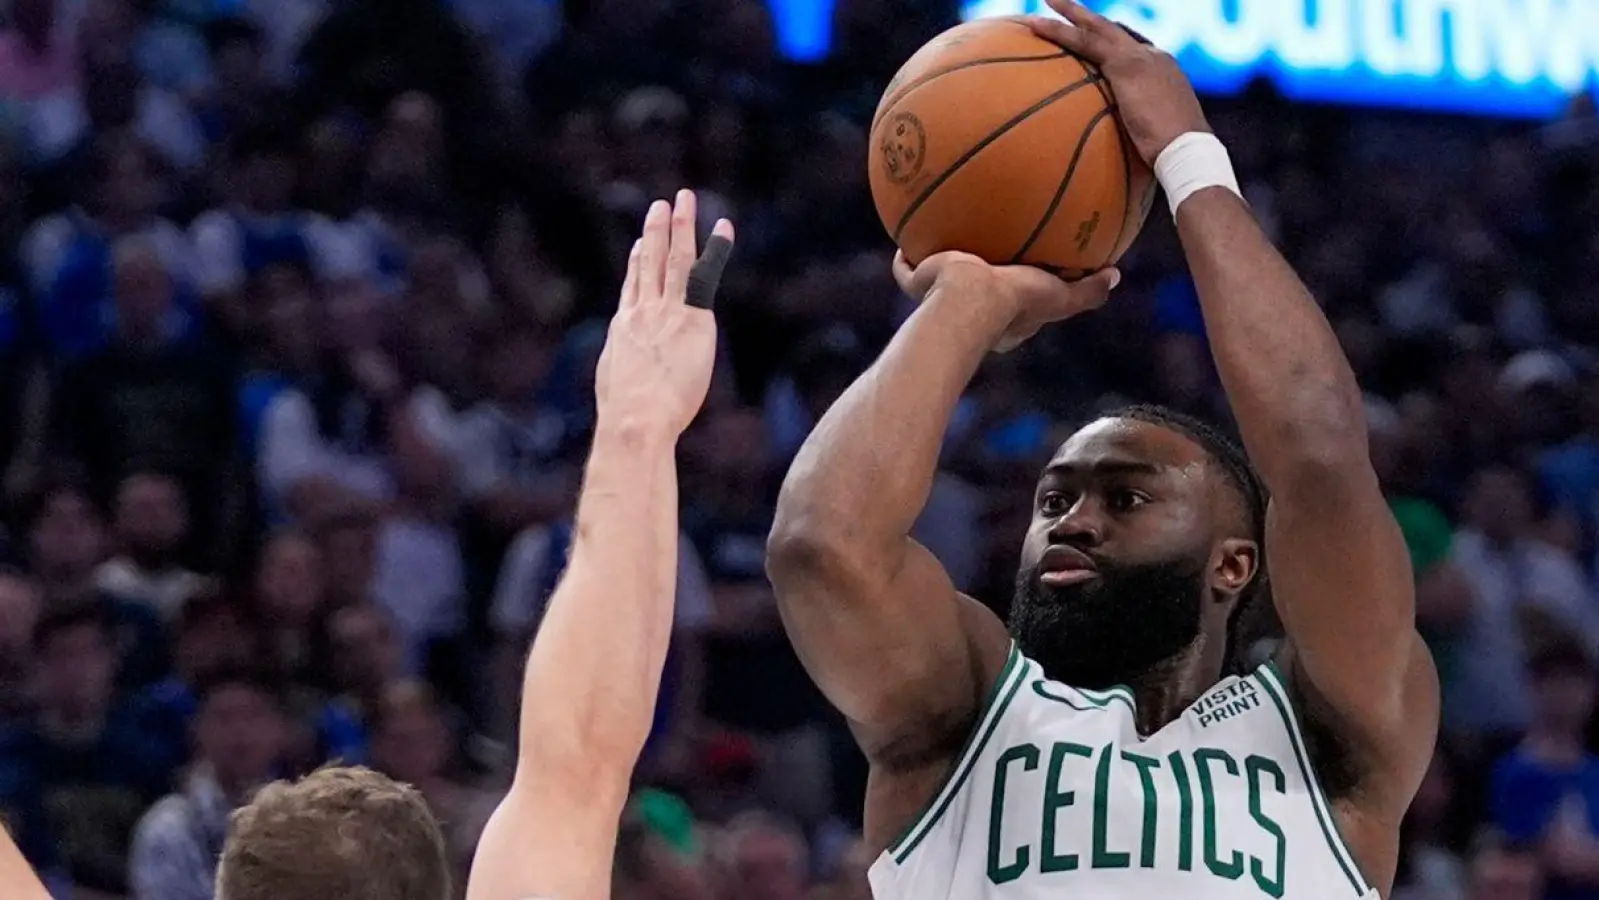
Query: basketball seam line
x,y
904,90
978,147
1065,182
1108,93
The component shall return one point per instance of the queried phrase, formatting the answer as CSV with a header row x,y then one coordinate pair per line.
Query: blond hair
x,y
340,833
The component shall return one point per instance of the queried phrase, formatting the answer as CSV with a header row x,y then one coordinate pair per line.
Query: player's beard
x,y
1110,629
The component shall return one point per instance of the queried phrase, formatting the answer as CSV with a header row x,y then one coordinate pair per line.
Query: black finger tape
x,y
706,275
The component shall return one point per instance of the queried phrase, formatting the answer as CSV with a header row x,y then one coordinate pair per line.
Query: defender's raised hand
x,y
1157,103
661,347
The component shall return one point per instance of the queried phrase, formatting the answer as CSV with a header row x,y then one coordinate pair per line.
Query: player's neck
x,y
1166,689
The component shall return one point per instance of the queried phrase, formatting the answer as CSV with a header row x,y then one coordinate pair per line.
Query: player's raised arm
x,y
872,614
595,669
15,873
1340,572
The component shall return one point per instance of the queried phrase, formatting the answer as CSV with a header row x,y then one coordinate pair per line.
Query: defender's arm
x,y
594,673
16,874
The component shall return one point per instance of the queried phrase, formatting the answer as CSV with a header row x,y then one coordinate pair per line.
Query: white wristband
x,y
1195,161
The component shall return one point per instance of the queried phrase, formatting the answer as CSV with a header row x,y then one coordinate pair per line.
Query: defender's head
x,y
344,833
1145,551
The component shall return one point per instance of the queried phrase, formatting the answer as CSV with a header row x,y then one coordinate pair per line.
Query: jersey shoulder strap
x,y
1000,697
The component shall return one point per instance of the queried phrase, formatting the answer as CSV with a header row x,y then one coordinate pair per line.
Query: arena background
x,y
302,300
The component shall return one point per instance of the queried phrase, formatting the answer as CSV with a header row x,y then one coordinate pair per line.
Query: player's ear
x,y
1234,564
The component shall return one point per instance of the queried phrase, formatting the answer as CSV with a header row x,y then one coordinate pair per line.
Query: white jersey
x,y
1057,795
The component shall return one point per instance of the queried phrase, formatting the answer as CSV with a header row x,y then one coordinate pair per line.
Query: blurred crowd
x,y
299,306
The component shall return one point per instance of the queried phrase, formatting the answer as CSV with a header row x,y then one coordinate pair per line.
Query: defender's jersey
x,y
1057,795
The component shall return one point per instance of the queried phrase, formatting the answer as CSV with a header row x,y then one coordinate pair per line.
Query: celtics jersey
x,y
1057,795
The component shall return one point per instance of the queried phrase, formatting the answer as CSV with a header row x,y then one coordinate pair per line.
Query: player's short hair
x,y
340,833
1253,617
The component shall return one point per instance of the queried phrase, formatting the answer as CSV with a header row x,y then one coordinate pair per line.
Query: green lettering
x,y
1146,777
999,873
1233,867
1103,857
1056,800
1255,767
1185,812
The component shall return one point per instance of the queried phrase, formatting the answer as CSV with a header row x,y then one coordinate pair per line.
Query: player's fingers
x,y
1062,34
1094,291
680,256
1101,35
903,273
705,276
630,282
653,249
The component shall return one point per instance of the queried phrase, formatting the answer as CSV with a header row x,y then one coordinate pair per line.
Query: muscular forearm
x,y
1287,380
595,669
863,476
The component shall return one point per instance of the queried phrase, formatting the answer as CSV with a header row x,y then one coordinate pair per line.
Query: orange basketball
x,y
997,142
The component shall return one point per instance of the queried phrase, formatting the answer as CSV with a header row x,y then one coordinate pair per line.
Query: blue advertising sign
x,y
1498,57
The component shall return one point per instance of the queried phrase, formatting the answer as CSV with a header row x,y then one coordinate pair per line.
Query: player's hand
x,y
1156,101
1030,297
661,347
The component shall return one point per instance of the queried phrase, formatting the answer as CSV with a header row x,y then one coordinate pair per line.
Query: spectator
x,y
211,635
765,859
151,528
85,754
240,90
349,551
366,659
511,467
239,737
21,603
328,442
1503,872
111,97
413,742
66,540
1546,792
1428,869
1522,584
38,57
151,398
291,599
257,228
67,256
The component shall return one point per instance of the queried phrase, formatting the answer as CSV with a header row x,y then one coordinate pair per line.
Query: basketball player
x,y
1113,742
595,669
588,698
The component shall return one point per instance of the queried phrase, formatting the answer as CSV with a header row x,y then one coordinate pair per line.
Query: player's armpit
x,y
552,836
1342,583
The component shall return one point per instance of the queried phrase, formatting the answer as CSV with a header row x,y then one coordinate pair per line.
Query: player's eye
x,y
1121,500
1053,503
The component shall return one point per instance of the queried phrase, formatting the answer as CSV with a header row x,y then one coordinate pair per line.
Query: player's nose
x,y
1081,526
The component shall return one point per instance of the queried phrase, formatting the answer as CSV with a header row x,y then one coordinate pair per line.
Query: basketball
x,y
994,141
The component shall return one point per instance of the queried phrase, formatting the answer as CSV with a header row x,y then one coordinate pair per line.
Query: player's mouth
x,y
1063,565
